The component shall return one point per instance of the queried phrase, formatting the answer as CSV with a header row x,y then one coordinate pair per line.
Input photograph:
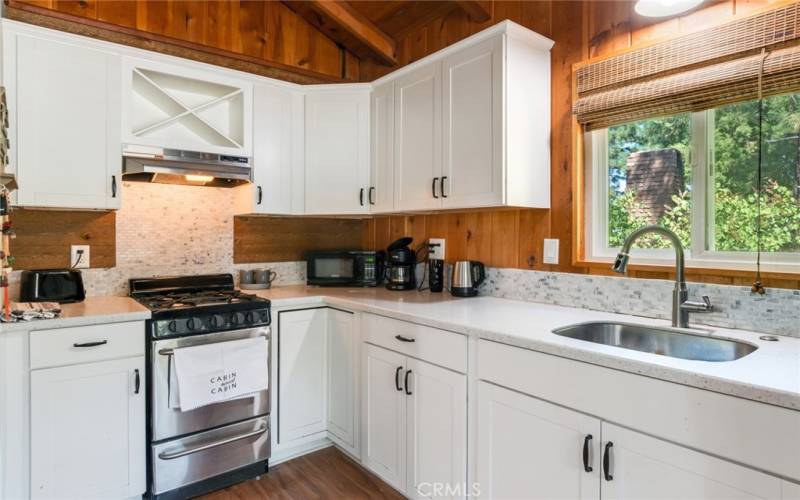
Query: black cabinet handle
x,y
370,196
137,382
606,461
406,382
361,197
433,187
586,441
441,187
404,339
260,195
91,344
113,186
397,378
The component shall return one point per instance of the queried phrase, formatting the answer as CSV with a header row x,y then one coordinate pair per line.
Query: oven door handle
x,y
170,351
177,454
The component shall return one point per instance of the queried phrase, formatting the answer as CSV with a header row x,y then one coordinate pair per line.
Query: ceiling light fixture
x,y
664,8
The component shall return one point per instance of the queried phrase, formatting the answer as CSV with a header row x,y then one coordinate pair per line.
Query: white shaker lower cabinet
x,y
384,423
302,373
342,412
88,430
414,428
436,429
528,448
64,107
641,467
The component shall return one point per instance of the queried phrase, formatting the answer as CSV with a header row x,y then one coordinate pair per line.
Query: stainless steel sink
x,y
663,341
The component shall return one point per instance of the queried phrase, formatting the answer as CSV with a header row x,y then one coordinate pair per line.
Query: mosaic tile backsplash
x,y
777,312
164,230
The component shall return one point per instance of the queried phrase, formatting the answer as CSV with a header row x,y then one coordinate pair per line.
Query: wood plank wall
x,y
580,30
258,31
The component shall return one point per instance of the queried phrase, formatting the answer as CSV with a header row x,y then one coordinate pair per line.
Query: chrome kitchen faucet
x,y
681,306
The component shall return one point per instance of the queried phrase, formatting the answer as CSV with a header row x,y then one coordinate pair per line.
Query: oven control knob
x,y
191,324
248,318
172,326
234,319
264,316
213,321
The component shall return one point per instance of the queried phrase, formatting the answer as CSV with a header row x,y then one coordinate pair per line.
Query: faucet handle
x,y
696,306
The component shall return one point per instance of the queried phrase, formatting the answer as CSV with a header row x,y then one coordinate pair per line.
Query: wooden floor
x,y
325,473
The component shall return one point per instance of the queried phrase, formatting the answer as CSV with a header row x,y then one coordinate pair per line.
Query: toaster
x,y
52,285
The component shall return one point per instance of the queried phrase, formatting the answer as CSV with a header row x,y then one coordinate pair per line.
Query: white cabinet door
x,y
418,138
64,113
337,152
302,373
342,367
472,126
384,423
436,449
275,171
642,467
528,448
88,430
381,194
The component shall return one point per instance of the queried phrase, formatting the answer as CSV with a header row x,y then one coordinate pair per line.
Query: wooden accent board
x,y
279,239
260,37
44,237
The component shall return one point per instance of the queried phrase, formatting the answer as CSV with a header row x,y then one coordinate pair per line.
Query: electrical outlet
x,y
79,256
437,252
550,251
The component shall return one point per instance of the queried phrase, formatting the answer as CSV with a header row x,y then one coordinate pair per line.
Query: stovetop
x,y
195,305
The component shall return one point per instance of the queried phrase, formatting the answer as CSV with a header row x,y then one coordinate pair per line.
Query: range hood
x,y
189,168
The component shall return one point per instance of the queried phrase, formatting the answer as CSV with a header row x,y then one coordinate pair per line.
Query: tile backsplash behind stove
x,y
165,229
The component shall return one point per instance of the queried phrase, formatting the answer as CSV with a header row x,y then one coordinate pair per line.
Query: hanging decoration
x,y
758,287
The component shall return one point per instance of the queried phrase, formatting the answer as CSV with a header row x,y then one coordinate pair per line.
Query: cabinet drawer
x,y
68,346
439,347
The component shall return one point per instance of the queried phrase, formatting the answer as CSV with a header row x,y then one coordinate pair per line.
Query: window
x,y
697,174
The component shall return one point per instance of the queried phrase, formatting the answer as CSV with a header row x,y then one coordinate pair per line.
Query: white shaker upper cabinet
x,y
337,151
381,189
473,130
277,186
64,105
418,138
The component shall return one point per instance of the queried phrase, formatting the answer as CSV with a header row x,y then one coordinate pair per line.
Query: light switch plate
x,y
550,251
437,252
84,261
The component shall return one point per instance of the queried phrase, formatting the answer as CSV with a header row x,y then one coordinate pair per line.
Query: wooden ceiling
x,y
371,28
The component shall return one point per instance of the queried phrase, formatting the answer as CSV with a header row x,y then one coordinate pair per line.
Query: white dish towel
x,y
210,373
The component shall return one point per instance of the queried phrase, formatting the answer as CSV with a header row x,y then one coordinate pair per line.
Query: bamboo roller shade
x,y
694,72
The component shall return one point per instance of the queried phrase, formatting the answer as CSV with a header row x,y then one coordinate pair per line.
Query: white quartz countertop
x,y
92,311
771,374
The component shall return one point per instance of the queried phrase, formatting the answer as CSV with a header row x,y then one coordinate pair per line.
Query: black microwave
x,y
344,268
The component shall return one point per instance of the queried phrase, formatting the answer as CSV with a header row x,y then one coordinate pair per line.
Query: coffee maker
x,y
401,262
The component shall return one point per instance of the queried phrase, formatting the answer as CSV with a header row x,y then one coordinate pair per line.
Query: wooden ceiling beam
x,y
348,27
477,10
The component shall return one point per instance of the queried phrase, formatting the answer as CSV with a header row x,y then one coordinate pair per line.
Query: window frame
x,y
701,157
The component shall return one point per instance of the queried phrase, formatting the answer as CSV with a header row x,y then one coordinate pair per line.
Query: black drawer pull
x,y
260,195
397,378
370,196
441,187
113,186
401,338
137,381
406,382
606,461
91,344
586,441
433,187
361,197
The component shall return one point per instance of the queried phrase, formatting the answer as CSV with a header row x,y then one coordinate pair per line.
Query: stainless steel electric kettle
x,y
466,278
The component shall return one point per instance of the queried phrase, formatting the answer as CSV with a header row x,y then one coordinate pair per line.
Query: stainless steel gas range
x,y
194,452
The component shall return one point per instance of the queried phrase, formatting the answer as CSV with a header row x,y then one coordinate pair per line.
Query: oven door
x,y
170,422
